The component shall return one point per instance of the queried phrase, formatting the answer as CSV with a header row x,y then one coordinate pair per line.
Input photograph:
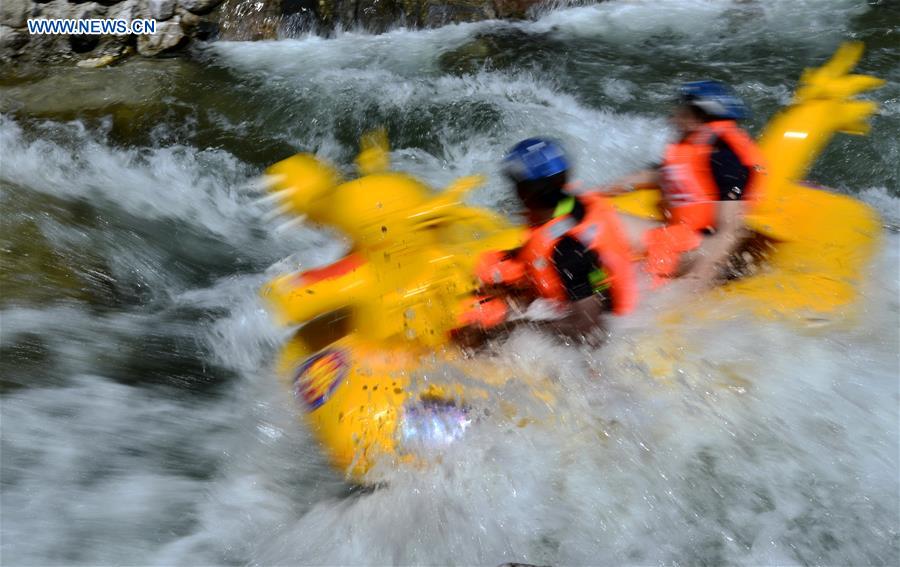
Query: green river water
x,y
141,420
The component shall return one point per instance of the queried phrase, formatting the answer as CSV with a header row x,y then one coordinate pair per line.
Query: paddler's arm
x,y
732,178
716,249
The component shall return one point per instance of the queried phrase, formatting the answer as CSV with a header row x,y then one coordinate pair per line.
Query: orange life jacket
x,y
689,189
599,230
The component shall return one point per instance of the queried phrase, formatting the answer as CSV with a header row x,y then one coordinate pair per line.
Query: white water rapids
x,y
141,421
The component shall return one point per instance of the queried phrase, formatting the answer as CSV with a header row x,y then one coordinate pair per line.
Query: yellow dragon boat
x,y
385,312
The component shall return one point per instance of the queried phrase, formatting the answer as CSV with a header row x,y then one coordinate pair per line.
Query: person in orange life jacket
x,y
708,178
576,253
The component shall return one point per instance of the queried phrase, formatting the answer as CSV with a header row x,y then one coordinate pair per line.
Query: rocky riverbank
x,y
181,22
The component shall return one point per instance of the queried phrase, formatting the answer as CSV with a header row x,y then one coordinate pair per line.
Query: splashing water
x,y
142,423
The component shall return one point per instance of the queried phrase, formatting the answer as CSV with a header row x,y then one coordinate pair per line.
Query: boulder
x,y
181,21
88,10
197,27
189,20
298,17
345,12
438,13
98,62
13,13
380,15
238,20
55,9
86,43
11,40
160,10
331,11
43,48
199,6
127,10
168,37
513,9
290,7
377,15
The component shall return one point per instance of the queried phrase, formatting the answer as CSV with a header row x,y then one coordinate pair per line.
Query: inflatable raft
x,y
822,240
377,322
384,310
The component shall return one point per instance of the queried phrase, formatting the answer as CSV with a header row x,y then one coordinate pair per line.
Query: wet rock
x,y
88,10
97,62
161,10
331,12
85,43
290,7
468,57
189,20
495,49
129,10
223,19
54,9
17,46
112,48
12,40
39,49
194,26
373,15
13,13
199,6
513,9
381,15
168,37
202,28
377,15
345,11
298,17
438,13
239,20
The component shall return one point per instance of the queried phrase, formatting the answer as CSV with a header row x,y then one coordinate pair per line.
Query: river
x,y
142,423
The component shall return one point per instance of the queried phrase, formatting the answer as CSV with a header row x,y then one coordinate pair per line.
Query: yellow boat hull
x,y
822,244
370,404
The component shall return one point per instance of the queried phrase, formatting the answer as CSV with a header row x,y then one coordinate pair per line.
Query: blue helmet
x,y
715,99
535,159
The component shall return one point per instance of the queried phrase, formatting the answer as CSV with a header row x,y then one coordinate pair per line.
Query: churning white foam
x,y
721,441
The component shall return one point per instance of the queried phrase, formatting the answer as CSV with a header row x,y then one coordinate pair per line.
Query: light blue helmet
x,y
715,99
535,159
